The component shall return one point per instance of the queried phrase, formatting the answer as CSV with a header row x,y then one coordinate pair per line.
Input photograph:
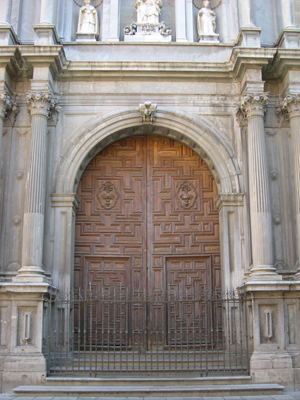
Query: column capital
x,y
7,105
290,106
42,103
251,105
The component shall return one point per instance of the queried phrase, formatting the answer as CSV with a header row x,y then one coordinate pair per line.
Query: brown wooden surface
x,y
147,221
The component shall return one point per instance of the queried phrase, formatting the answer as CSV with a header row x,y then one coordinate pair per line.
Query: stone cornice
x,y
20,60
42,103
274,62
284,60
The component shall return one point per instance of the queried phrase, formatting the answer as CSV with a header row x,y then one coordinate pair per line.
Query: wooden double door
x,y
147,225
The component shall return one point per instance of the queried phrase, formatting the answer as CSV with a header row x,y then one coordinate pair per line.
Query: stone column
x,y
109,24
246,13
287,13
7,34
252,108
180,21
5,11
40,106
45,32
290,107
289,37
249,35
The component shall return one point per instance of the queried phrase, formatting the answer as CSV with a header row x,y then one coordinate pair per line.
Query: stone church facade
x,y
225,103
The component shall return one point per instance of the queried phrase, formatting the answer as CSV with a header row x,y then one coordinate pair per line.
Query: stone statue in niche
x,y
148,11
88,25
207,24
148,28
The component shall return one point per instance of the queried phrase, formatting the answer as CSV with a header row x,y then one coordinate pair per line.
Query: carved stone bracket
x,y
289,107
148,112
42,103
251,104
7,105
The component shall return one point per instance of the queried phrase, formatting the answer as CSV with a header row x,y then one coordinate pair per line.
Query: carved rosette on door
x,y
147,224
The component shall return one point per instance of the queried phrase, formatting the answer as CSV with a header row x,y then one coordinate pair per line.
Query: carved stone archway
x,y
196,132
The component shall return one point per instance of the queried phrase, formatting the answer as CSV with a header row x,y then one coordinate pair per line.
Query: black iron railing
x,y
146,333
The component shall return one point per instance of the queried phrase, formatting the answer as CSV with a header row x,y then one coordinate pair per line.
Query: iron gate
x,y
152,333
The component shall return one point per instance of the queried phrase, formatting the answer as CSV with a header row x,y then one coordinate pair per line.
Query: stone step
x,y
148,381
150,391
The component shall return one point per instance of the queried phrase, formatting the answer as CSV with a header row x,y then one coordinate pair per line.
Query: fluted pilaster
x,y
40,106
252,109
290,107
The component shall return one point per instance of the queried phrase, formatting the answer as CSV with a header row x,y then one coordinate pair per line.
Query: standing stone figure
x,y
206,20
148,11
88,19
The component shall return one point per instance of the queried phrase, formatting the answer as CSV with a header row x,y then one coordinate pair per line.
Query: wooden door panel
x,y
147,222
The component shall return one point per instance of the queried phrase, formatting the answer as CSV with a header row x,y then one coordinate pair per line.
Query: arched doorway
x,y
147,225
147,219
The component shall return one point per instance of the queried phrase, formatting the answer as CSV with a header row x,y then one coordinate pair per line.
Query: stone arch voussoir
x,y
196,132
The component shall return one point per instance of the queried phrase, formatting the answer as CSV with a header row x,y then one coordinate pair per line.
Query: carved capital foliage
x,y
252,104
42,103
148,112
289,107
7,105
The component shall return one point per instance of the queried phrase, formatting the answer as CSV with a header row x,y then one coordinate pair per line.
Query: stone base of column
x,y
30,275
7,35
249,37
45,35
289,38
273,367
264,273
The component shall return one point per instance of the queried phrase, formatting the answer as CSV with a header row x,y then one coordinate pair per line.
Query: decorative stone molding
x,y
229,200
42,103
252,104
289,107
7,105
20,174
17,220
274,175
148,112
277,219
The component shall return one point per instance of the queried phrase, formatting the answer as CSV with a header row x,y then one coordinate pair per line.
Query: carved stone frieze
x,y
108,195
42,103
186,194
148,112
7,105
289,107
252,104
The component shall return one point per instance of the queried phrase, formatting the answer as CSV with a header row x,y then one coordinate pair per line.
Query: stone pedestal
x,y
274,331
153,33
289,38
212,38
21,325
45,35
7,35
86,37
249,37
